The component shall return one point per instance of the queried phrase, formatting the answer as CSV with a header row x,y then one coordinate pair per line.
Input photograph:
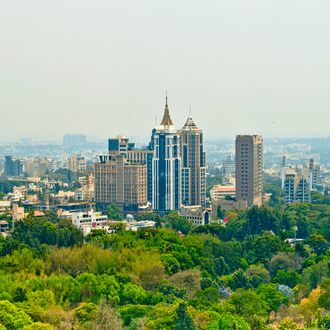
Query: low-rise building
x,y
220,192
4,206
196,214
4,228
227,205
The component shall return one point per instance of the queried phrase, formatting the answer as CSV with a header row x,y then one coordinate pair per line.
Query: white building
x,y
86,221
228,166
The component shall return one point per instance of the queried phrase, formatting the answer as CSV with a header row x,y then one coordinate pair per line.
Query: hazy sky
x,y
103,67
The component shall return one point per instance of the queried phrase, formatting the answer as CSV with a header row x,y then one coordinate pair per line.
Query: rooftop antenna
x,y
166,98
189,110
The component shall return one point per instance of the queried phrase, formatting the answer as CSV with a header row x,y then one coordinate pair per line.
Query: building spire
x,y
166,118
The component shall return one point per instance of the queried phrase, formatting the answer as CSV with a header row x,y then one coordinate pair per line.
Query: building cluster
x,y
167,172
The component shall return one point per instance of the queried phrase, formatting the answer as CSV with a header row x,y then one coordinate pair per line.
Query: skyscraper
x,y
13,166
193,163
166,166
249,169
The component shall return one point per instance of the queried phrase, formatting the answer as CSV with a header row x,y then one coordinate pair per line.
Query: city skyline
x,y
244,68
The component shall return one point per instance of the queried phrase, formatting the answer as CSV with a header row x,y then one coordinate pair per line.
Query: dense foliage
x,y
243,276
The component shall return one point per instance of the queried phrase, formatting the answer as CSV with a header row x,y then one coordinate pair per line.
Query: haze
x,y
103,67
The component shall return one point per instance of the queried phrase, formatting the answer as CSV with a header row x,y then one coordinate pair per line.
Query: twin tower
x,y
169,173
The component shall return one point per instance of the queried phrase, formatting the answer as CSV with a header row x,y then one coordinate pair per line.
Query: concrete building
x,y
121,182
249,169
13,166
227,205
228,166
86,221
80,193
76,163
166,167
220,192
296,188
133,155
37,166
192,163
196,214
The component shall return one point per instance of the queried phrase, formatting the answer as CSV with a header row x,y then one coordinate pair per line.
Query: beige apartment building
x,y
121,182
37,166
76,163
193,166
249,169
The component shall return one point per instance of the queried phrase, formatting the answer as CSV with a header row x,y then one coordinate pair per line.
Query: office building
x,y
76,163
193,164
228,166
133,155
166,166
249,169
13,166
120,182
296,187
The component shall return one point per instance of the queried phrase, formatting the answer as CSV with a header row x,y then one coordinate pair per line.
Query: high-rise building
x,y
192,163
166,166
37,166
228,166
296,187
134,155
120,182
13,166
249,169
76,163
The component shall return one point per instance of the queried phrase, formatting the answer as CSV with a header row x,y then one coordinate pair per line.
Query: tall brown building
x,y
249,169
192,164
120,182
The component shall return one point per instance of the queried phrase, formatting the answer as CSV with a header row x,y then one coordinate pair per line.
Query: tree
x,y
183,320
308,306
85,312
290,278
219,212
12,317
113,212
106,318
272,296
228,321
246,304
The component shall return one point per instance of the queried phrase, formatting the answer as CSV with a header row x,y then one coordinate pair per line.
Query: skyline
x,y
244,68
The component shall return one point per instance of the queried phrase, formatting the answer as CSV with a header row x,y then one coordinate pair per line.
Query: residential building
x,y
121,182
13,166
192,163
316,171
133,155
76,163
228,166
80,193
296,188
166,167
37,166
249,169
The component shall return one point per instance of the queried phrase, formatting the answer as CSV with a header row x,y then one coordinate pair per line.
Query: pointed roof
x,y
190,124
166,118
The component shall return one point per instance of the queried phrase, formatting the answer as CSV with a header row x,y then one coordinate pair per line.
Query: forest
x,y
250,274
